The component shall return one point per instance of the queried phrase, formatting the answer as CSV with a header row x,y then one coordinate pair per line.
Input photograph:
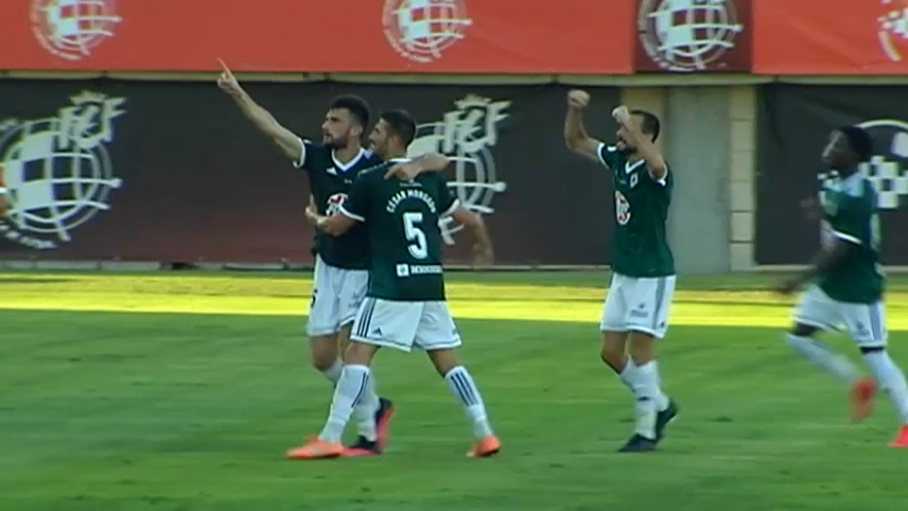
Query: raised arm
x,y
575,136
288,142
483,255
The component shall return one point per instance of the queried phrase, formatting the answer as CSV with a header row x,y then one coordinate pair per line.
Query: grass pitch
x,y
182,392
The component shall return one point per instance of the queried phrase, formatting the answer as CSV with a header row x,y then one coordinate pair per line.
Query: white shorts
x,y
405,325
638,305
865,322
336,296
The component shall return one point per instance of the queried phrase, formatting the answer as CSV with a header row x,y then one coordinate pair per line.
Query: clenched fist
x,y
578,99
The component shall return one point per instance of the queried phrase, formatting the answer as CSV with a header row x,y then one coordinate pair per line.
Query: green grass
x,y
182,391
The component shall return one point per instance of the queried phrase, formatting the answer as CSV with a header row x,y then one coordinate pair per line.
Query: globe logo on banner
x,y
58,171
420,30
893,29
687,35
886,168
70,29
465,136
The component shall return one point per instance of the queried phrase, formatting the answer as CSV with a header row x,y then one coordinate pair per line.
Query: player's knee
x,y
359,353
613,355
642,347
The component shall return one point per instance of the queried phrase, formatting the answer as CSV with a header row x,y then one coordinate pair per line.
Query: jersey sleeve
x,y
446,200
307,148
608,155
851,221
359,199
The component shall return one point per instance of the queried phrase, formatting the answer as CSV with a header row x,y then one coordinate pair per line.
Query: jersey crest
x,y
335,202
622,208
634,179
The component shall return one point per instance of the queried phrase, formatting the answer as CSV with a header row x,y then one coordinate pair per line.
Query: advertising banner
x,y
832,37
173,172
376,36
694,37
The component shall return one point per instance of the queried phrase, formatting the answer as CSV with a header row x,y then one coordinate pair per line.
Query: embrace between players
x,y
378,273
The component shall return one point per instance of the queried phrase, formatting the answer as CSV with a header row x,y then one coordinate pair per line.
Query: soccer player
x,y
341,266
637,307
405,305
848,282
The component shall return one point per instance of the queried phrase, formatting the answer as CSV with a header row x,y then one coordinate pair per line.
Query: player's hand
x,y
227,82
483,256
578,99
621,114
405,171
311,210
811,208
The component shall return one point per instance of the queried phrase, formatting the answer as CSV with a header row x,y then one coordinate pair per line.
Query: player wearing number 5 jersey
x,y
341,264
848,282
405,305
637,306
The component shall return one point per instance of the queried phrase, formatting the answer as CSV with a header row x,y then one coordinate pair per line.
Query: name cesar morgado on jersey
x,y
406,270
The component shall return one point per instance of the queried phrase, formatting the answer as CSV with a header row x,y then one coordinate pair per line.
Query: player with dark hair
x,y
405,305
848,282
341,265
636,309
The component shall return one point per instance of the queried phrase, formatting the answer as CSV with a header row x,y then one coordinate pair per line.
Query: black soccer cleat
x,y
639,443
664,418
363,447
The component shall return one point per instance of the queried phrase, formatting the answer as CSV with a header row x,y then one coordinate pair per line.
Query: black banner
x,y
151,171
794,126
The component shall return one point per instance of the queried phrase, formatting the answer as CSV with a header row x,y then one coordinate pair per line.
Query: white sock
x,y
364,412
628,377
462,385
891,379
646,388
820,355
333,373
349,391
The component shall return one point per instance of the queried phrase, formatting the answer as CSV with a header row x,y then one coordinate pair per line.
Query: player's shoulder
x,y
372,173
371,158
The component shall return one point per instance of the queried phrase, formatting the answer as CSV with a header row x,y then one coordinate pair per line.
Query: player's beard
x,y
337,142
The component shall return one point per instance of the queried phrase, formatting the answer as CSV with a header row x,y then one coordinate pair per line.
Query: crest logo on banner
x,y
70,29
466,135
687,35
421,30
58,171
887,168
893,29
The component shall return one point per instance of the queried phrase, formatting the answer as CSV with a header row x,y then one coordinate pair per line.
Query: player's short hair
x,y
356,105
859,141
651,125
402,124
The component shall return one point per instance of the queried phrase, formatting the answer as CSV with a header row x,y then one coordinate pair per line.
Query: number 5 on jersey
x,y
418,246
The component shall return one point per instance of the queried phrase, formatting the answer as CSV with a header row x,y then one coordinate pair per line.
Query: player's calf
x,y
461,384
325,356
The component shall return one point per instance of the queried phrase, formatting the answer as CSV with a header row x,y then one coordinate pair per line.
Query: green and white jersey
x,y
405,242
639,244
330,182
850,214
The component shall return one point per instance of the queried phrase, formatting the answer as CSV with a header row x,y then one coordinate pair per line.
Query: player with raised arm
x,y
848,282
637,306
341,266
405,305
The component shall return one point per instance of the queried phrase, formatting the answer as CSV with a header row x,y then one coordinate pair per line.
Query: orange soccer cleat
x,y
317,449
485,448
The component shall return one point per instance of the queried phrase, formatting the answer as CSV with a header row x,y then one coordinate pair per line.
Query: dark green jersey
x,y
850,214
405,240
330,182
640,245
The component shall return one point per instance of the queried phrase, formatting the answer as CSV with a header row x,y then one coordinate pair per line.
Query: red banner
x,y
831,37
691,37
381,36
